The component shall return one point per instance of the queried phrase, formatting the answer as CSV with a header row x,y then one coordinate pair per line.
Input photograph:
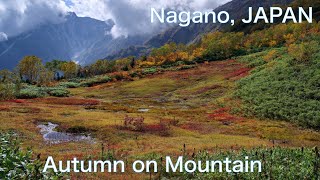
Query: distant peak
x,y
72,15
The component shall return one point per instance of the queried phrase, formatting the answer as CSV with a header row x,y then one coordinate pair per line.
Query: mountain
x,y
104,47
81,39
85,39
186,35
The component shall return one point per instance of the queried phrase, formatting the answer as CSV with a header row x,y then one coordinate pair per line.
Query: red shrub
x,y
19,101
223,115
161,129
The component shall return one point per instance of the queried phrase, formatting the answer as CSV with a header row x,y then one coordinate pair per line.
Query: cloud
x,y
132,17
18,16
3,36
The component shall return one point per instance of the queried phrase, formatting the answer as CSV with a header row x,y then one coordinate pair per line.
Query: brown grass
x,y
239,73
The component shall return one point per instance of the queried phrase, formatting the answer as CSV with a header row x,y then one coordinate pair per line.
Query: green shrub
x,y
261,58
281,90
70,84
18,164
149,71
95,80
59,92
31,92
7,91
277,163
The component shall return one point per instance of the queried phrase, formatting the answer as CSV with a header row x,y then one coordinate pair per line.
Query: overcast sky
x,y
130,16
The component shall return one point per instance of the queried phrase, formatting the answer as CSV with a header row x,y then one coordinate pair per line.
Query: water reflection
x,y
54,137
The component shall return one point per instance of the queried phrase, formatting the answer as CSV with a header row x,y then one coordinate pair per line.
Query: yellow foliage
x,y
198,52
303,52
289,38
271,55
69,69
151,61
273,43
30,67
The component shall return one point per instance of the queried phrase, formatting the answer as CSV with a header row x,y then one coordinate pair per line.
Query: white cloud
x,y
130,16
18,16
133,16
96,9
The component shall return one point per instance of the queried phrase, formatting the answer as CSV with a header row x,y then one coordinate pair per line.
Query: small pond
x,y
50,135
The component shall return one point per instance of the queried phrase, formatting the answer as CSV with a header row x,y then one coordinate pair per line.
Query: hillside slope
x,y
282,88
191,34
236,8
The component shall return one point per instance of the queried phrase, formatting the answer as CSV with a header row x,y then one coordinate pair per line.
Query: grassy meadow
x,y
197,107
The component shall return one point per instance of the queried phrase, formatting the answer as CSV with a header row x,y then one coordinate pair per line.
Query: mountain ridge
x,y
82,39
